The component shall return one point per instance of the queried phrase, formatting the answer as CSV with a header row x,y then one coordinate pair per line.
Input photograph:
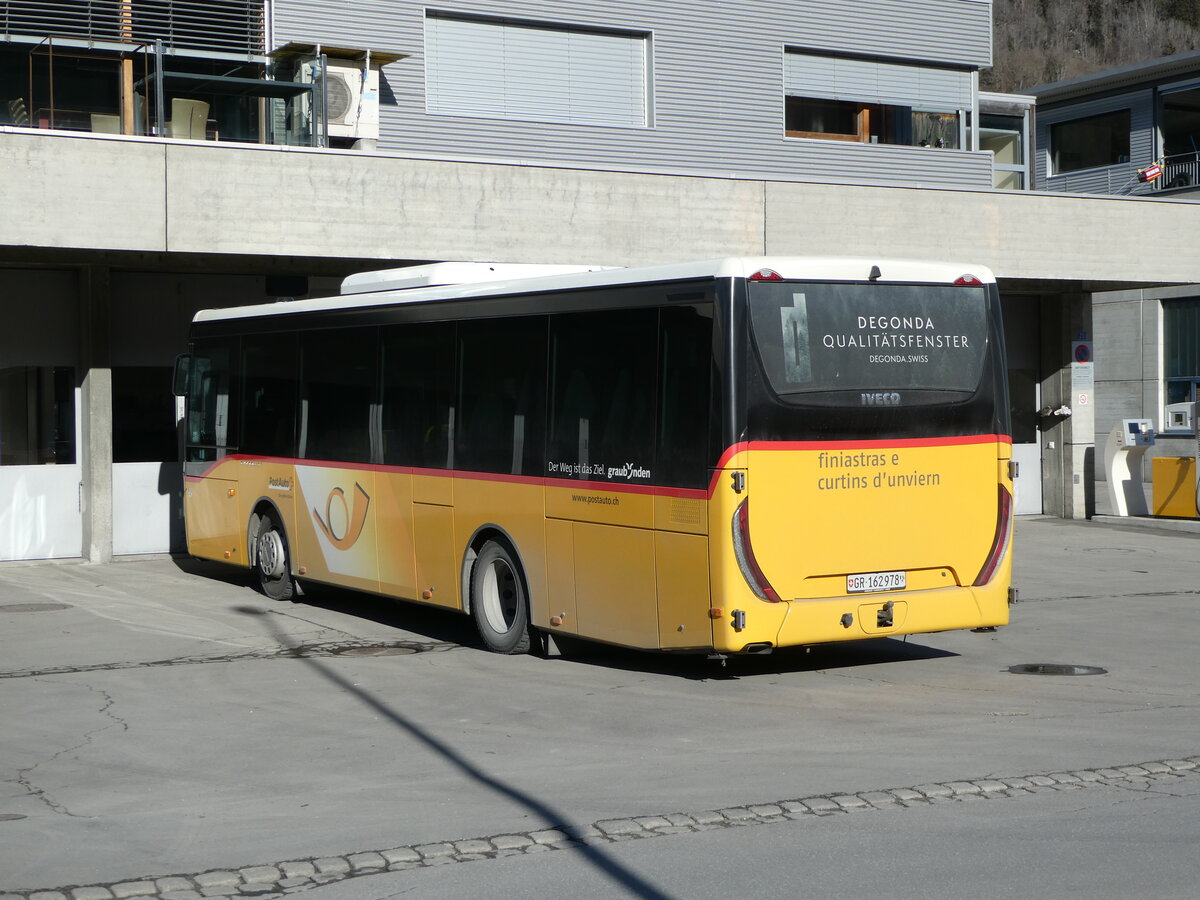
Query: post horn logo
x,y
354,518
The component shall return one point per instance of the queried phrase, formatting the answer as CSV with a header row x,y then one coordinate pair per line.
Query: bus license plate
x,y
866,582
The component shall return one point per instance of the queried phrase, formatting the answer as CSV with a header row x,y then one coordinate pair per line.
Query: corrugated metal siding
x,y
717,82
1120,179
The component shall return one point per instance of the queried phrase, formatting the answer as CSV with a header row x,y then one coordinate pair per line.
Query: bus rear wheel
x,y
271,560
499,605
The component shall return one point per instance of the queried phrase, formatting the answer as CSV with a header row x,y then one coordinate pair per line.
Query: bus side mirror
x,y
179,381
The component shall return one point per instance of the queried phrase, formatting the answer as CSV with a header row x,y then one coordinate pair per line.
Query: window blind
x,y
871,81
498,69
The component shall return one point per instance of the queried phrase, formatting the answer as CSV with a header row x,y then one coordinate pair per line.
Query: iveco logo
x,y
881,398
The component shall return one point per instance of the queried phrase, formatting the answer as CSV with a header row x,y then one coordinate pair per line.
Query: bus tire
x,y
271,560
499,604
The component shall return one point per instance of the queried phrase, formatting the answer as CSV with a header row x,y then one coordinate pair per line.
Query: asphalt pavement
x,y
170,732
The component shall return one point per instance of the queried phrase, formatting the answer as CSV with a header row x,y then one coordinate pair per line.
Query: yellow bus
x,y
722,457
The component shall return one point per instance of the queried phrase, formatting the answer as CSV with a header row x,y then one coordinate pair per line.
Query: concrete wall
x,y
69,196
145,194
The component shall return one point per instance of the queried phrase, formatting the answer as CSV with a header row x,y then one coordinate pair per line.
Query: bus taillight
x,y
745,555
1000,541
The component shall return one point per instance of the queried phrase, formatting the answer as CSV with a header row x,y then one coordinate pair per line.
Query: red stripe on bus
x,y
622,488
955,441
962,440
468,475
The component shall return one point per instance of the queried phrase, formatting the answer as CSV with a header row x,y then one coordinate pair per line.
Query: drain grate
x,y
32,607
1055,669
378,650
362,649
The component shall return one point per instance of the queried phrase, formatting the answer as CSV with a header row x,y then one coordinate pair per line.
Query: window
x,y
268,395
1181,122
685,404
1181,360
836,119
37,415
418,384
207,428
337,387
871,101
1180,131
501,396
501,69
603,372
823,338
1004,137
1090,143
143,415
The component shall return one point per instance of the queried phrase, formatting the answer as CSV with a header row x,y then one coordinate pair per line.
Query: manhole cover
x,y
32,607
381,650
1055,669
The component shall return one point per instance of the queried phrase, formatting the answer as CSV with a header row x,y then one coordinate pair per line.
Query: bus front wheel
x,y
271,561
498,601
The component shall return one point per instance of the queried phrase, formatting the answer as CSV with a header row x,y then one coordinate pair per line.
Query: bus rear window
x,y
815,338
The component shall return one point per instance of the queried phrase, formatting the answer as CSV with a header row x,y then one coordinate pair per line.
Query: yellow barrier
x,y
1174,487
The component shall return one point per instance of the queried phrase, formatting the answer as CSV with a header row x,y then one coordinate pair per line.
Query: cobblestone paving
x,y
278,879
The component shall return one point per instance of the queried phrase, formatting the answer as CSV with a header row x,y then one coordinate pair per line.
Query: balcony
x,y
1180,172
233,27
299,95
166,68
149,90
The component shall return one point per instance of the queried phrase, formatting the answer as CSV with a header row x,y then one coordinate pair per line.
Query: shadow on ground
x,y
449,626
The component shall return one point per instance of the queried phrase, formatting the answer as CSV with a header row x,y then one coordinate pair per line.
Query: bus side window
x,y
337,387
207,427
685,373
268,395
418,386
602,383
501,395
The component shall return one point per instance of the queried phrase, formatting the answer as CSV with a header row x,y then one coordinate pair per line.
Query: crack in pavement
x,y
298,651
1133,596
40,794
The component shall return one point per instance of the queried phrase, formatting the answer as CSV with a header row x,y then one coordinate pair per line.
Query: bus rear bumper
x,y
857,617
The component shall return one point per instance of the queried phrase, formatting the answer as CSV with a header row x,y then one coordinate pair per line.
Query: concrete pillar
x,y
1069,444
96,494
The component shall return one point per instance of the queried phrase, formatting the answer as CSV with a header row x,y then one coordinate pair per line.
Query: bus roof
x,y
440,274
424,284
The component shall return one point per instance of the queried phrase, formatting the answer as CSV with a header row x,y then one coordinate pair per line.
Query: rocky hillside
x,y
1037,41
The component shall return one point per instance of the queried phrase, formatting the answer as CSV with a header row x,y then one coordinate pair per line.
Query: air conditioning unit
x,y
352,96
353,100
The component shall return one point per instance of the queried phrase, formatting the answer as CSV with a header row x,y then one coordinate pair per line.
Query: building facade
x,y
1134,130
1103,133
168,160
730,88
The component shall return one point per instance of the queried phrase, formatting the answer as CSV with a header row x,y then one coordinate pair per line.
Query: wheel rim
x,y
499,596
270,554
